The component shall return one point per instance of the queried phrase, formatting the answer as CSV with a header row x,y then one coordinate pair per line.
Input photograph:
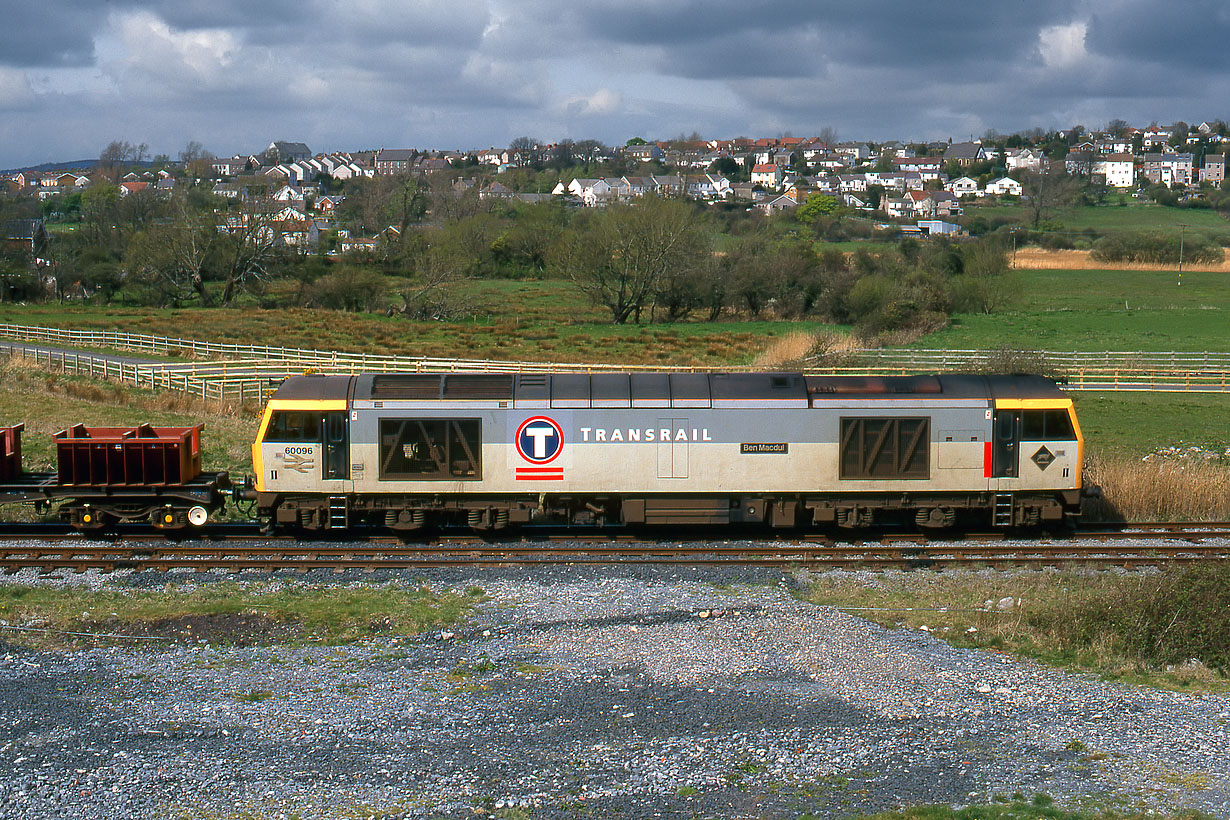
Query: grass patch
x,y
229,613
1112,218
47,402
1168,629
1133,425
1040,808
1100,310
541,320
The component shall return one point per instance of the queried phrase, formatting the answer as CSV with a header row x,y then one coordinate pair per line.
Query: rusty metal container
x,y
10,451
141,456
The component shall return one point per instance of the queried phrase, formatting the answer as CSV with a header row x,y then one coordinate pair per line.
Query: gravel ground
x,y
594,692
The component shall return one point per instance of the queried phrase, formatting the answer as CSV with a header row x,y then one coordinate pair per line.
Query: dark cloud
x,y
50,34
1192,34
235,74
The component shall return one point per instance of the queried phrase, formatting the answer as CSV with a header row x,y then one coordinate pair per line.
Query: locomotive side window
x,y
430,448
885,448
292,426
1046,425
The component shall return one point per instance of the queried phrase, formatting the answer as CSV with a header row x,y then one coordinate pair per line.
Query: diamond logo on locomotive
x,y
539,440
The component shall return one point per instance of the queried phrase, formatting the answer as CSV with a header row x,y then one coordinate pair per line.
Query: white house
x,y
1023,159
1003,185
1119,170
963,186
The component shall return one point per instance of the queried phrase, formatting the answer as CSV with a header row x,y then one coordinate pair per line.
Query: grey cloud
x,y
55,34
1192,34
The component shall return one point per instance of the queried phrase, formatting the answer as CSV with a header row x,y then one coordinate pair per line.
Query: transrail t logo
x,y
539,441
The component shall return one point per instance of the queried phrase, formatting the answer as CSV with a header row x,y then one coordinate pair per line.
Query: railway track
x,y
238,548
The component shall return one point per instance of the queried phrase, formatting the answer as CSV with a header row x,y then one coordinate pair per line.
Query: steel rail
x,y
79,555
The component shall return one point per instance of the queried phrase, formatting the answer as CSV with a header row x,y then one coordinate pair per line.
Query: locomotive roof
x,y
662,386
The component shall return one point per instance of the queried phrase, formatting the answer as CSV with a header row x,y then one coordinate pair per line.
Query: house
x,y
768,175
965,153
1214,170
709,186
643,153
1023,159
667,185
431,165
230,167
930,204
854,151
777,204
358,245
394,160
26,235
290,195
1080,163
1154,137
328,204
1119,170
743,191
1168,169
1002,186
281,152
1114,145
927,167
127,188
963,186
496,190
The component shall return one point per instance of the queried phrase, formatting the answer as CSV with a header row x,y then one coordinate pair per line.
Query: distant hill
x,y
79,164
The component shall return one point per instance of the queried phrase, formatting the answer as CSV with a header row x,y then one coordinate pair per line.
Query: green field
x,y
1101,310
1135,216
1136,424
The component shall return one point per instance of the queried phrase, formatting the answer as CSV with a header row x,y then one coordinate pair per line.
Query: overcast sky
x,y
356,74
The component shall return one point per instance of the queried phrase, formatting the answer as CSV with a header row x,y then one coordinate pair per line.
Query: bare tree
x,y
628,252
118,154
1045,193
251,242
196,160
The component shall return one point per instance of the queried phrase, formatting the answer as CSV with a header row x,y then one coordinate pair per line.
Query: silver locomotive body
x,y
488,450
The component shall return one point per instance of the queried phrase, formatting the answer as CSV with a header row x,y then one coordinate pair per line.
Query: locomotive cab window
x,y
430,449
1046,425
885,448
293,426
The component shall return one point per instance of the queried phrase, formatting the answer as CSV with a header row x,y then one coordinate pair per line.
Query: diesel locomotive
x,y
407,451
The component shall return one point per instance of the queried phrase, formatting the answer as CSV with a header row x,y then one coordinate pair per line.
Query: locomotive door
x,y
1005,441
335,436
672,453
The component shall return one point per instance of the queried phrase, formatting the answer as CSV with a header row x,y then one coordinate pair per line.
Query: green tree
x,y
816,206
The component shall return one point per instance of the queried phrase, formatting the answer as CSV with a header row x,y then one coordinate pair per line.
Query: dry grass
x,y
1040,259
802,349
1184,489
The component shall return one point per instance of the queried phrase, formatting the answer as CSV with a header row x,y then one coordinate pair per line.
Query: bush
x,y
1157,249
349,288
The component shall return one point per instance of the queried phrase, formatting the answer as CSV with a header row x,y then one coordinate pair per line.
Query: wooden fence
x,y
242,373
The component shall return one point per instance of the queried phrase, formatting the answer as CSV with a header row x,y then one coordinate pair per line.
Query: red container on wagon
x,y
10,451
128,456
